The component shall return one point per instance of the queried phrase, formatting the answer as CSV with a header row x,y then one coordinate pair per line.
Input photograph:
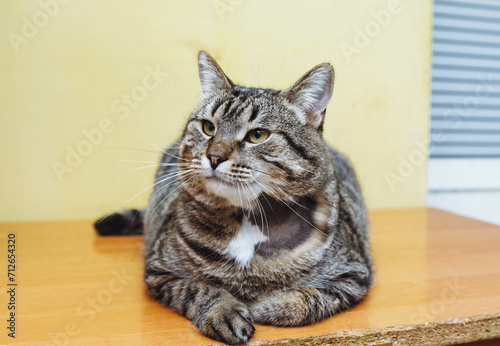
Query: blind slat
x,y
465,95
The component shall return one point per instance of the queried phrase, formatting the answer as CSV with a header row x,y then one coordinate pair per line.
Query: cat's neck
x,y
266,212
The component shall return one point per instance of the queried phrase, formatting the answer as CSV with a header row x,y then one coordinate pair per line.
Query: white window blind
x,y
464,164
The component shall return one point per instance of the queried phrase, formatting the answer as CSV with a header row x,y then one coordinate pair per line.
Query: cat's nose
x,y
216,160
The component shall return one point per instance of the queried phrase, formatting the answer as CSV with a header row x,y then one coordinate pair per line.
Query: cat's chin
x,y
236,195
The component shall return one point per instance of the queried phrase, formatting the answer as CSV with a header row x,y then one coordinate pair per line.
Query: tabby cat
x,y
254,218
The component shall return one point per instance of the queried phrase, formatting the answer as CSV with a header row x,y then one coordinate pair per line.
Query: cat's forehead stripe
x,y
242,106
217,106
237,107
255,112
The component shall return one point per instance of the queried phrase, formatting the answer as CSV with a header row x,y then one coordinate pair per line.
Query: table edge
x,y
448,332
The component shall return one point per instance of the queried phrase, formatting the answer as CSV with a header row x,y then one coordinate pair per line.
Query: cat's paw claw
x,y
229,323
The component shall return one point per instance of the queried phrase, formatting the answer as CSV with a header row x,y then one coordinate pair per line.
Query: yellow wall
x,y
64,69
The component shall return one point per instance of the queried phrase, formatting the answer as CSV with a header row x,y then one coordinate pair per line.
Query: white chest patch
x,y
242,246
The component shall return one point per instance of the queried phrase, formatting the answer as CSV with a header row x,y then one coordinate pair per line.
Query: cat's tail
x,y
129,222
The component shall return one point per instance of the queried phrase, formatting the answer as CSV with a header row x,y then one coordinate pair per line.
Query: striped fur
x,y
296,193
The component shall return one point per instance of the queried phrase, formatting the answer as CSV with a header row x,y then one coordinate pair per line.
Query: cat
x,y
254,218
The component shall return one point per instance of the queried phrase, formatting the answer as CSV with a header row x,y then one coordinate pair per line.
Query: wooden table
x,y
437,282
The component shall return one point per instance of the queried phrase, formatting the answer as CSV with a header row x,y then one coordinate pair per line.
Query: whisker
x,y
163,151
149,216
310,224
169,174
263,195
251,209
258,170
262,215
239,193
291,199
282,201
137,168
139,193
247,201
130,148
159,163
173,179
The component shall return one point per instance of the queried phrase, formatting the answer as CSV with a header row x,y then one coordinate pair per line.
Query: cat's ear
x,y
212,77
312,93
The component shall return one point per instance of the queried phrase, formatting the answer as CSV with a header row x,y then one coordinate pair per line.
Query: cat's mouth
x,y
238,193
217,177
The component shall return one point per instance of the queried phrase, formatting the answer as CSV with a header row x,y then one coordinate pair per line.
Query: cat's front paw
x,y
228,321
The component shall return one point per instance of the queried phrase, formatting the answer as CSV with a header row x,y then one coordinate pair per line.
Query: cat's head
x,y
243,142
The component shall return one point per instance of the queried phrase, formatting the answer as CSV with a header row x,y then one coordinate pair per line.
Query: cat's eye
x,y
257,136
208,128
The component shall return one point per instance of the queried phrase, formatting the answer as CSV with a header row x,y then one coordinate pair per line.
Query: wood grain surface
x,y
74,287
